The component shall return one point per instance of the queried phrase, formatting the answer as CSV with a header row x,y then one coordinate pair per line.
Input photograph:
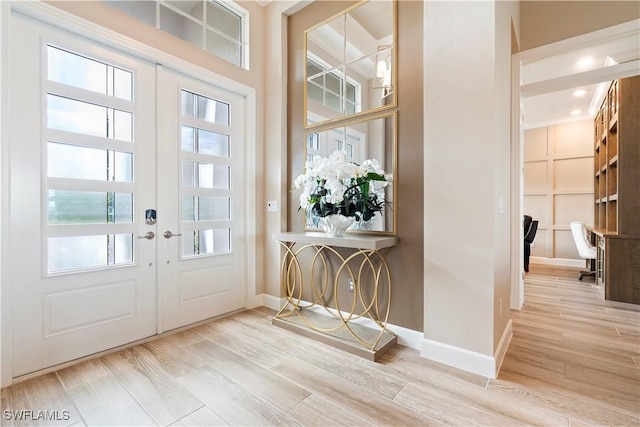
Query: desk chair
x,y
585,249
530,229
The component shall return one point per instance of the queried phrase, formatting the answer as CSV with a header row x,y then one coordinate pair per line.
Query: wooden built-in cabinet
x,y
617,191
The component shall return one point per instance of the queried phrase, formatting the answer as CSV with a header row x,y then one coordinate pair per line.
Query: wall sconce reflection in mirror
x,y
383,70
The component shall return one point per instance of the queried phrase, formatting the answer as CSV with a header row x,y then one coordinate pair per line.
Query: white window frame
x,y
229,5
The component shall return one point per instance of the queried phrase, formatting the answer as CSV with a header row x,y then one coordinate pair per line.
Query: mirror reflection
x,y
373,138
350,63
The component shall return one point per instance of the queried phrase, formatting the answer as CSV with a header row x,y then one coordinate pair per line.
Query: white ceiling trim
x,y
580,42
598,75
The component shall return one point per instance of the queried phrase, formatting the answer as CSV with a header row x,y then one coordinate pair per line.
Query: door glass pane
x,y
204,142
203,108
77,252
188,208
206,242
89,119
205,208
212,143
189,243
122,208
222,240
213,208
187,103
205,175
122,84
76,116
122,248
122,167
221,176
84,73
187,138
122,125
188,174
84,207
75,70
213,111
73,161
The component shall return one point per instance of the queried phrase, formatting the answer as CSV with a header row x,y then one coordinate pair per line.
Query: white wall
x,y
558,187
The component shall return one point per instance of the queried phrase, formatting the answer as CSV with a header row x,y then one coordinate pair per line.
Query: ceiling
x,y
570,99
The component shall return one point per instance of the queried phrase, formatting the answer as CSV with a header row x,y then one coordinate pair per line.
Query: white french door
x,y
201,258
101,167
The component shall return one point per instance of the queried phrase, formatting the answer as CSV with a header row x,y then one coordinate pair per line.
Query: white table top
x,y
349,240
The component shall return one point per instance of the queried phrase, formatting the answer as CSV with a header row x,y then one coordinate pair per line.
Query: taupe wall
x,y
406,259
545,22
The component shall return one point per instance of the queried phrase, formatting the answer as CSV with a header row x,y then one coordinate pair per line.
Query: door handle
x,y
150,235
168,234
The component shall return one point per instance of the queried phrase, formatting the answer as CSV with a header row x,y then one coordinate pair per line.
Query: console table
x,y
348,297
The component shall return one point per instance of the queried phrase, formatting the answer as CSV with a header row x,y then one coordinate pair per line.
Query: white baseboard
x,y
503,345
406,337
560,262
274,303
460,358
468,360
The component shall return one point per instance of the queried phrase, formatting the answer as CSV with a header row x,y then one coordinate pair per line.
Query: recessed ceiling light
x,y
579,93
576,112
585,62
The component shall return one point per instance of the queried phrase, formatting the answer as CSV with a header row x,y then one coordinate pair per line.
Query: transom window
x,y
215,26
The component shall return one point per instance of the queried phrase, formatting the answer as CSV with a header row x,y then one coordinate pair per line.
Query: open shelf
x,y
616,190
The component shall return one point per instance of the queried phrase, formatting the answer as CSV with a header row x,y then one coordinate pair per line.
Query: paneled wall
x,y
558,185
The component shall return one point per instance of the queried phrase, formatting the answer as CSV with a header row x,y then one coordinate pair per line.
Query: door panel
x,y
97,138
201,154
82,173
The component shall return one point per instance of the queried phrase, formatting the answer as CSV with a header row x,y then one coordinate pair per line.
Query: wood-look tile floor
x,y
574,360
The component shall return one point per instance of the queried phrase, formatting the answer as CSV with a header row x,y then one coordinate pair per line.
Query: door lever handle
x,y
150,235
168,234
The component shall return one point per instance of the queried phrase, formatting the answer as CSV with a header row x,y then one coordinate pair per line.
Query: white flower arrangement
x,y
332,185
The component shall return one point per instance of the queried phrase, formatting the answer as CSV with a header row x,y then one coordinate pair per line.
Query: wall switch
x,y
272,206
501,204
351,286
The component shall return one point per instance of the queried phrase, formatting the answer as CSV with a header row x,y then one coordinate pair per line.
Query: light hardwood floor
x,y
574,360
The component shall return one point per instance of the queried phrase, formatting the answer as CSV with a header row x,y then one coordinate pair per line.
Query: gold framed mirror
x,y
371,138
350,63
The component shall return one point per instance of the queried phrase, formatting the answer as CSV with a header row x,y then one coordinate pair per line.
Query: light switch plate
x,y
272,206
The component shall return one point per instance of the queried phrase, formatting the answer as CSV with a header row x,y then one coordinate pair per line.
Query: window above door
x,y
218,27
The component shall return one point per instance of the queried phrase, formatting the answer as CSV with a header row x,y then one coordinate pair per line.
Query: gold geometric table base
x,y
328,317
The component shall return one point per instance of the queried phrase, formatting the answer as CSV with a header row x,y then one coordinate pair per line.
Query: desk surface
x,y
349,240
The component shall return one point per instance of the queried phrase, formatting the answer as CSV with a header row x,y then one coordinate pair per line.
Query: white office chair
x,y
585,249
